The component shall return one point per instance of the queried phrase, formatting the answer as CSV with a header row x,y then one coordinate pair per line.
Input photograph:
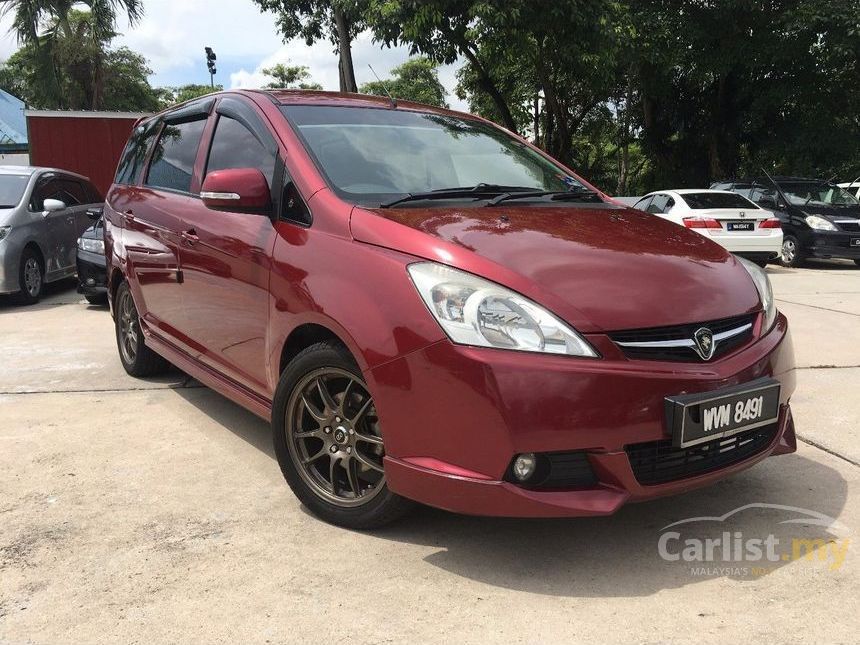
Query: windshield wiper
x,y
554,195
479,191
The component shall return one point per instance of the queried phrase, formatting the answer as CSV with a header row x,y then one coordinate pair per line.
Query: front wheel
x,y
328,440
792,255
135,356
30,278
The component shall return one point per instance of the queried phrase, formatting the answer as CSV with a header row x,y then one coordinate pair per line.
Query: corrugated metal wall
x,y
89,145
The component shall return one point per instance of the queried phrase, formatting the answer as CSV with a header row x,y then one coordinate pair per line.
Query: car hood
x,y
833,212
600,268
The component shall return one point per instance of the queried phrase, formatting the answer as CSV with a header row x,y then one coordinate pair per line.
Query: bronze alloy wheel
x,y
129,327
333,436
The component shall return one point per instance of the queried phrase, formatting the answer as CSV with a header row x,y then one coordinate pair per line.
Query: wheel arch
x,y
310,333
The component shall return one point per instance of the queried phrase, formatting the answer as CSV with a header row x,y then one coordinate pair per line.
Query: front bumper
x,y
819,244
92,273
454,417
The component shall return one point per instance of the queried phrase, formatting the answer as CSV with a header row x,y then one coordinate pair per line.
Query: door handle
x,y
190,236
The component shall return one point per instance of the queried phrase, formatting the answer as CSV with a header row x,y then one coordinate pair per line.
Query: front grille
x,y
657,462
848,226
683,332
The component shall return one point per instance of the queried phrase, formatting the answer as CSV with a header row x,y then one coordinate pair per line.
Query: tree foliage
x,y
290,77
415,80
338,21
85,73
642,94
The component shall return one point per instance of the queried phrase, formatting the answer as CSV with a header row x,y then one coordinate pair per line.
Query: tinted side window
x,y
75,190
45,189
659,204
234,146
174,156
643,204
134,155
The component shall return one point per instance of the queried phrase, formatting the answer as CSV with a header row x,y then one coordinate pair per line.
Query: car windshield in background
x,y
12,189
702,201
821,194
372,156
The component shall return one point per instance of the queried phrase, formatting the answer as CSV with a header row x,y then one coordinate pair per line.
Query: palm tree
x,y
41,23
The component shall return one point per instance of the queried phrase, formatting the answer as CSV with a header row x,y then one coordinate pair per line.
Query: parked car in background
x,y
43,211
428,308
819,219
852,187
92,276
727,218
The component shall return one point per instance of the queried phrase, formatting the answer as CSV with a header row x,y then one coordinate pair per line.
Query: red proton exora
x,y
429,308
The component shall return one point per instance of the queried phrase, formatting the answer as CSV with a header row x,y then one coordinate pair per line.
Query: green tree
x,y
290,77
46,25
169,96
338,21
81,63
415,80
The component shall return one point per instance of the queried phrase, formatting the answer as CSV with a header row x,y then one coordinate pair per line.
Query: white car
x,y
727,218
852,187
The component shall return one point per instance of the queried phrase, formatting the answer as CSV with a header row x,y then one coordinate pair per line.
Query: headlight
x,y
93,246
474,311
4,232
765,292
819,223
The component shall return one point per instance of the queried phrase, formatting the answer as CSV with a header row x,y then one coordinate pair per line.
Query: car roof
x,y
776,178
346,99
690,191
29,171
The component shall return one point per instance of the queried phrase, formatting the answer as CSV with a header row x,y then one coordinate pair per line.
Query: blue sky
x,y
173,33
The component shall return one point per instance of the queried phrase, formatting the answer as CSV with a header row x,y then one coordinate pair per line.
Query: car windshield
x,y
700,201
12,189
817,194
372,156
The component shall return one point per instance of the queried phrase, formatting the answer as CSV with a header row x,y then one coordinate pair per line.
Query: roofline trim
x,y
82,114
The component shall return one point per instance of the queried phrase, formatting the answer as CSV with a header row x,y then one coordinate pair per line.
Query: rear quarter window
x,y
134,156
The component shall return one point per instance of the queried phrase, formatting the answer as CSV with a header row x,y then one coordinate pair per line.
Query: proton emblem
x,y
704,344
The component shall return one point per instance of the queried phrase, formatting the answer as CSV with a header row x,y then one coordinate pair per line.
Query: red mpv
x,y
429,308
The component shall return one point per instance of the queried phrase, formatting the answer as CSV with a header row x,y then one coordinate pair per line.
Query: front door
x,y
226,256
60,227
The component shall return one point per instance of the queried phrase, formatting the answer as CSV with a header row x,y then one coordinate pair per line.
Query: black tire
x,y
137,359
857,262
792,255
762,263
97,299
382,506
31,277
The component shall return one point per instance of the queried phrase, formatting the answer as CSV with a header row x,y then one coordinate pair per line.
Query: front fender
x,y
361,293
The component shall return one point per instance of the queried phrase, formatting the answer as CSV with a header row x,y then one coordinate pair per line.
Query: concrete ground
x,y
154,511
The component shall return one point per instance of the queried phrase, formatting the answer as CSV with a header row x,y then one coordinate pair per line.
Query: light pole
x,y
210,63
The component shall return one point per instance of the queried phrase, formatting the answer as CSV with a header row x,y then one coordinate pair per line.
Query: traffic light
x,y
210,63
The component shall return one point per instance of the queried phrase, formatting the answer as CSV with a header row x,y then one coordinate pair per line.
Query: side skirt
x,y
257,404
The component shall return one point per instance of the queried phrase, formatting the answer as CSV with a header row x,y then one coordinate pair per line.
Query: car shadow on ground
x,y
602,556
818,265
53,294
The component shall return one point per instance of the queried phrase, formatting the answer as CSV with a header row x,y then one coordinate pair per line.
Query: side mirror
x,y
239,190
95,214
53,206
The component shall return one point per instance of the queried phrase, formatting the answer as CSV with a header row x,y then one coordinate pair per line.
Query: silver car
x,y
43,211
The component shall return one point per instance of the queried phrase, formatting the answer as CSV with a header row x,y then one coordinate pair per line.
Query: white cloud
x,y
173,33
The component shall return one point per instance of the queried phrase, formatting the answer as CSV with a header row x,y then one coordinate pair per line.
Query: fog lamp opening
x,y
525,466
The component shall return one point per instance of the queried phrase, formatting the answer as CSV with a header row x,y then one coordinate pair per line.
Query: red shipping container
x,y
88,143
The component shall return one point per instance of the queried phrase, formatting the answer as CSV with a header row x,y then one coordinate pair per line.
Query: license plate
x,y
696,418
741,226
855,241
